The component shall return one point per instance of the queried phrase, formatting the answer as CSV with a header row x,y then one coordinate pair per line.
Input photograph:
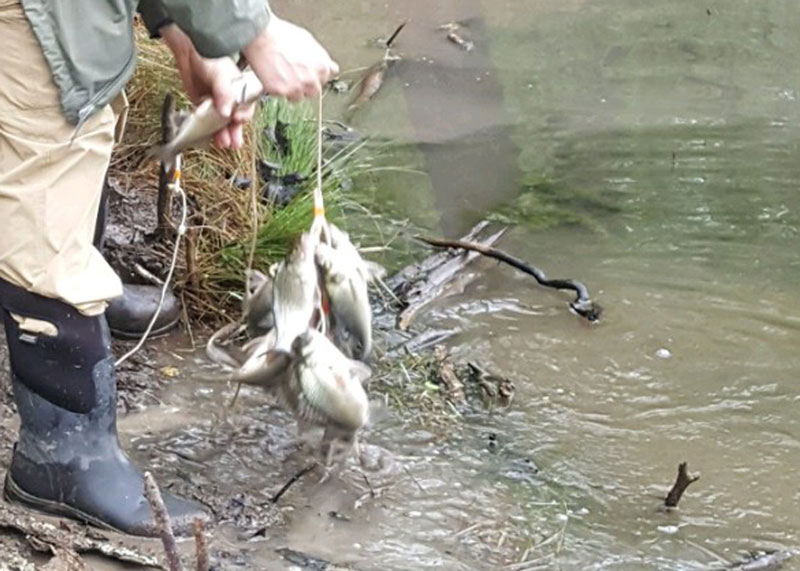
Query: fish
x,y
221,350
295,292
218,350
205,120
370,84
264,366
326,389
257,303
345,284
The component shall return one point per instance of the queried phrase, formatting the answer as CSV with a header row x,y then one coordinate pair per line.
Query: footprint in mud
x,y
377,461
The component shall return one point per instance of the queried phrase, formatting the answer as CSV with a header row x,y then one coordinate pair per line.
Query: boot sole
x,y
136,335
14,494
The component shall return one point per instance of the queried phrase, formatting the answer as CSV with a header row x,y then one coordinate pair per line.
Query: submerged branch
x,y
582,304
681,483
396,32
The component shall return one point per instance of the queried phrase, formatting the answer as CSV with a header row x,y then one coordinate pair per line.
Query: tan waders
x,y
54,287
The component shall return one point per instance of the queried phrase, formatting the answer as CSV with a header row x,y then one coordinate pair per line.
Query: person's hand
x,y
288,61
202,77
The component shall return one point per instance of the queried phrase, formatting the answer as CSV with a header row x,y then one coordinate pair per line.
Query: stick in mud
x,y
582,304
681,483
291,481
394,35
161,519
200,545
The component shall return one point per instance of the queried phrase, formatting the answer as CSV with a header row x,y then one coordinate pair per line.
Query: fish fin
x,y
255,279
218,354
360,371
163,153
374,270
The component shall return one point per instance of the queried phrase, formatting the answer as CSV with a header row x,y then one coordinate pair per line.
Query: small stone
x,y
663,353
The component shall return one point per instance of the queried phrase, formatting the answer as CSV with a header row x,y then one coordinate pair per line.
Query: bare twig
x,y
413,479
582,304
394,35
191,260
369,485
161,519
291,481
165,173
681,483
147,274
200,545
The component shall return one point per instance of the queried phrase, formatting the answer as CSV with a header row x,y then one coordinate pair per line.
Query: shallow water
x,y
667,134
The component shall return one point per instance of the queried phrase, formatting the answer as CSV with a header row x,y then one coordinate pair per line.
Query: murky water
x,y
648,149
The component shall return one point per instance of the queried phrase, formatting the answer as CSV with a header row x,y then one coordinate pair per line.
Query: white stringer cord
x,y
175,187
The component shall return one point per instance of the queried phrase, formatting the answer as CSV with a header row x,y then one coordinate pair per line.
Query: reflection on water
x,y
669,133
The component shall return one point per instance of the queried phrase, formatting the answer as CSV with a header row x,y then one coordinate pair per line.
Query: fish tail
x,y
270,376
164,153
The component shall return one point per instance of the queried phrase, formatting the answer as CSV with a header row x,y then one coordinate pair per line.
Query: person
x,y
61,68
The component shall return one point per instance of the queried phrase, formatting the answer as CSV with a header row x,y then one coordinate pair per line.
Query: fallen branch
x,y
582,304
161,519
681,483
68,536
446,371
413,272
439,279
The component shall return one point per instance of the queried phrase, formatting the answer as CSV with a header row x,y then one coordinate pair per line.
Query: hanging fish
x,y
326,389
257,303
295,292
345,284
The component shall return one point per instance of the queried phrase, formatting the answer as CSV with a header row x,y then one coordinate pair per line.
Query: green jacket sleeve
x,y
218,28
154,15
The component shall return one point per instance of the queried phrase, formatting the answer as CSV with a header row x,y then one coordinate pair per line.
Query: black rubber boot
x,y
129,315
68,460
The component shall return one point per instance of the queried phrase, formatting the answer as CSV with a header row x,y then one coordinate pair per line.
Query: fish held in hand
x,y
206,120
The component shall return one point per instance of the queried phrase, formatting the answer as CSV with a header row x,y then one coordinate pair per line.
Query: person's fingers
x,y
237,135
243,113
223,139
222,91
311,86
